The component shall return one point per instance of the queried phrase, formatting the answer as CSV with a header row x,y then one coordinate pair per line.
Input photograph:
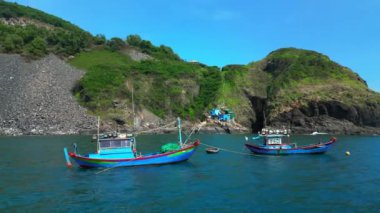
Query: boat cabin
x,y
273,139
116,148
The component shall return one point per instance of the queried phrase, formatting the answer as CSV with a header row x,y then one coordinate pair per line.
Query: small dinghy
x,y
212,150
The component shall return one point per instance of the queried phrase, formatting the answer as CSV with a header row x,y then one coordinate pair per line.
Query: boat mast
x,y
134,116
97,142
133,109
224,81
179,131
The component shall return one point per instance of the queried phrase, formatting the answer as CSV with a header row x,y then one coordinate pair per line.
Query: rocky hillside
x,y
42,93
305,91
36,97
164,85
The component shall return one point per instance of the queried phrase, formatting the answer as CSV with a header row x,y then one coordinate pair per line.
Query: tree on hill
x,y
115,44
134,40
100,39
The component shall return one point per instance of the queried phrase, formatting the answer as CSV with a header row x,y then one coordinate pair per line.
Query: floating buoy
x,y
348,153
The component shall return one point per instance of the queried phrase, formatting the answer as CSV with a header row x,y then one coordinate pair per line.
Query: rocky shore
x,y
332,117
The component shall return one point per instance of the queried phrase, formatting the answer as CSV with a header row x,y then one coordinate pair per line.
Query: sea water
x,y
34,178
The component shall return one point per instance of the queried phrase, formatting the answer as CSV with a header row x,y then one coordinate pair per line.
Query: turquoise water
x,y
34,178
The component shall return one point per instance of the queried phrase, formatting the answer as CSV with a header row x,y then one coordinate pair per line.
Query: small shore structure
x,y
221,114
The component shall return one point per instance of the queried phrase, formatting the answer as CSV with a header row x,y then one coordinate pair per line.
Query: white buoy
x,y
348,153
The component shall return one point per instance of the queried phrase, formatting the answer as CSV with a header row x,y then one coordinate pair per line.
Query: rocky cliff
x,y
332,116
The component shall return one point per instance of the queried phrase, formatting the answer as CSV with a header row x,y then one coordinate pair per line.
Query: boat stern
x,y
68,162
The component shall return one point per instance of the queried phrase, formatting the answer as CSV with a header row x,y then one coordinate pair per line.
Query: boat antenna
x,y
179,131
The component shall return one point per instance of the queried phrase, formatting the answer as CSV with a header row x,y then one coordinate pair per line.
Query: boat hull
x,y
154,159
212,151
310,149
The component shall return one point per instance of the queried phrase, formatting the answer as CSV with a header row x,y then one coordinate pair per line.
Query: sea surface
x,y
34,178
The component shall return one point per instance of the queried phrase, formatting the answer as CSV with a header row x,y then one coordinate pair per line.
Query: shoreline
x,y
173,130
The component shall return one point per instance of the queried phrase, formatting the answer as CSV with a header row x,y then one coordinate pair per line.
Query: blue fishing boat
x,y
277,143
121,151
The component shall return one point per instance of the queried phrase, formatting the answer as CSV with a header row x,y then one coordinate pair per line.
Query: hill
x,y
306,91
162,84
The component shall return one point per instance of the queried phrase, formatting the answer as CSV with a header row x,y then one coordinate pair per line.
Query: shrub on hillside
x,y
115,44
37,47
100,39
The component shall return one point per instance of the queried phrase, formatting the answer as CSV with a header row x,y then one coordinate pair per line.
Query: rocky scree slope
x,y
36,97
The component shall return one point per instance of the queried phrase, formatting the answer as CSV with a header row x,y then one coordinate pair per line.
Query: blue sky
x,y
220,32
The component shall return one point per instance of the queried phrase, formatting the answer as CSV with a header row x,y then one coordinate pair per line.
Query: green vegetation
x,y
35,34
100,56
240,82
162,52
232,95
299,76
116,44
13,10
165,87
299,67
233,72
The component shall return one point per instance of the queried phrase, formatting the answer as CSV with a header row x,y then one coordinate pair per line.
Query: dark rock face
x,y
36,97
259,104
333,116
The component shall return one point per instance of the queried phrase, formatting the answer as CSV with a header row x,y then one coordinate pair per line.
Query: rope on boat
x,y
232,151
151,130
227,150
193,130
104,170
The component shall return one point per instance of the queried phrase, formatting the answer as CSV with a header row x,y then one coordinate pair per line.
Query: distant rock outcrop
x,y
305,91
36,97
